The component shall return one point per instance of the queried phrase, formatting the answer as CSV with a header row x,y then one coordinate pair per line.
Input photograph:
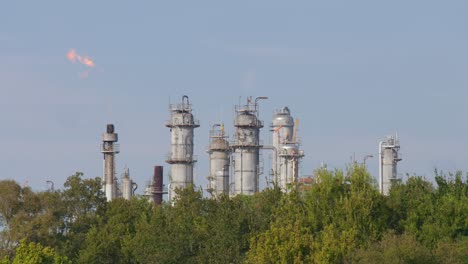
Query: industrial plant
x,y
235,164
388,158
287,153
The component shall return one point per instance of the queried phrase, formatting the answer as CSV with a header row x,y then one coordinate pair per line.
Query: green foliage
x,y
32,253
288,239
199,230
396,249
108,240
341,218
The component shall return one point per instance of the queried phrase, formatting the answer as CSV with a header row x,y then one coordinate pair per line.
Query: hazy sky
x,y
351,71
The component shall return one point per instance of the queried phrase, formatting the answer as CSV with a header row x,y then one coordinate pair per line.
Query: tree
x,y
395,249
288,239
84,203
32,253
109,240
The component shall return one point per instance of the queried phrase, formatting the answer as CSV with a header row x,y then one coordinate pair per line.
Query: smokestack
x,y
109,148
158,184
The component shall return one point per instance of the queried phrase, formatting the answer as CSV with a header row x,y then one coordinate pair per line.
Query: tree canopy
x,y
341,218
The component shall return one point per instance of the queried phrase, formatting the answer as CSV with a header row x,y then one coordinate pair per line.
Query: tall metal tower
x,y
287,155
246,147
109,148
128,186
219,152
181,157
388,158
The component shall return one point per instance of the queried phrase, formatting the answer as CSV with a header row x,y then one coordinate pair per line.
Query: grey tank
x,y
246,147
219,154
128,187
182,125
388,158
286,159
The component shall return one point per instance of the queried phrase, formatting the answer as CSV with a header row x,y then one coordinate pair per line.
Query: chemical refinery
x,y
219,152
388,158
182,125
246,147
285,168
235,165
111,186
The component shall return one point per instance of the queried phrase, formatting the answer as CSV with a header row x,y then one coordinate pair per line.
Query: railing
x,y
170,159
235,143
245,108
194,123
105,148
180,107
258,123
400,156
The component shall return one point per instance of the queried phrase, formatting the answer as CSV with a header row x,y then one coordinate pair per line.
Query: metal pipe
x,y
184,97
257,99
380,167
365,158
276,155
51,185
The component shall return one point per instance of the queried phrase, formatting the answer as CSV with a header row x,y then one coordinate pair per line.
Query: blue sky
x,y
351,71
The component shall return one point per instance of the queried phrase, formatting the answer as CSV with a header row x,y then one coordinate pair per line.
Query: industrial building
x,y
111,186
285,165
388,158
127,185
182,125
109,148
234,165
246,147
219,153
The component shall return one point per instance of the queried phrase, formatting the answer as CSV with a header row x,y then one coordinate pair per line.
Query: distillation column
x,y
246,148
109,148
286,159
388,158
219,152
182,125
128,186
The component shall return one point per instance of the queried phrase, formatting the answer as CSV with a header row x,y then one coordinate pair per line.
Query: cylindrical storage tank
x,y
127,188
246,159
182,125
181,136
289,156
389,168
181,176
388,158
149,192
246,148
282,126
219,153
246,171
283,129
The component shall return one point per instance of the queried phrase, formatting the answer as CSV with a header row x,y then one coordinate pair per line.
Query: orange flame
x,y
71,55
85,60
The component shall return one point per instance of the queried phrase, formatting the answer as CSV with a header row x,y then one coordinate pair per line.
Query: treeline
x,y
341,218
